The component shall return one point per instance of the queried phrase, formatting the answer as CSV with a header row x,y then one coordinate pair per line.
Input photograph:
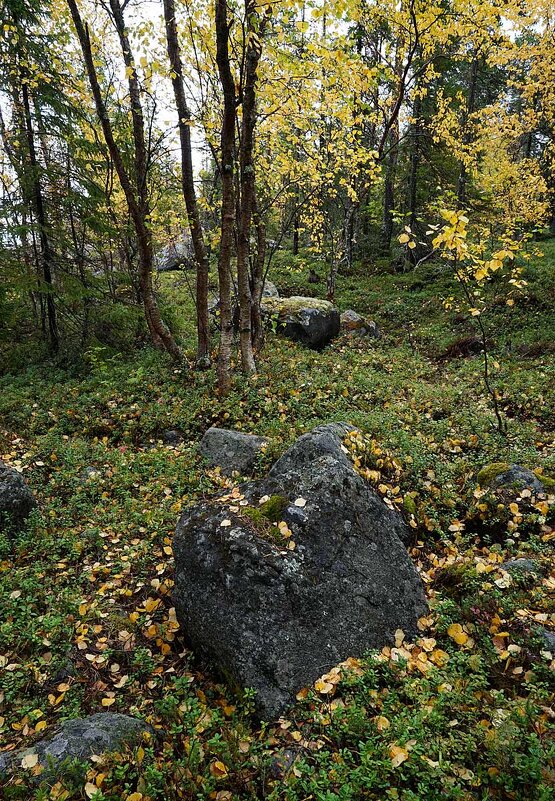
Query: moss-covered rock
x,y
490,472
273,617
274,507
311,321
509,478
294,305
549,483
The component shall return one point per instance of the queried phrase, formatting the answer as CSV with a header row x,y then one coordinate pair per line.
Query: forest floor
x,y
465,712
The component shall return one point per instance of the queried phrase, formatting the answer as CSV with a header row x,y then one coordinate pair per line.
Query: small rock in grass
x,y
79,738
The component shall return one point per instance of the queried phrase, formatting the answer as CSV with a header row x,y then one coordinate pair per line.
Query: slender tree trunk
x,y
413,254
258,278
46,252
188,185
296,226
27,236
227,141
392,140
462,183
247,183
389,189
414,164
137,204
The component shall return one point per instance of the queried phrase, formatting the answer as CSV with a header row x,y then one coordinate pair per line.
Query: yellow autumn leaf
x,y
457,633
398,755
382,723
439,657
29,761
91,789
403,239
324,687
218,770
108,701
151,604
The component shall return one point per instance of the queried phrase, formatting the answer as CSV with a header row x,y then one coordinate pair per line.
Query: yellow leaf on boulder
x,y
399,637
29,761
324,687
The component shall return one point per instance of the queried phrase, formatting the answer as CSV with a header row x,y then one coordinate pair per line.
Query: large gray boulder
x,y
232,451
177,255
79,738
16,499
310,321
275,617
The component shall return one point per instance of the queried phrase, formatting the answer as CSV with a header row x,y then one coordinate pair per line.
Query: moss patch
x,y
290,306
549,483
488,473
265,515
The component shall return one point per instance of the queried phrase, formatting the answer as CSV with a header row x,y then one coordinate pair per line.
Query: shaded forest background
x,y
338,132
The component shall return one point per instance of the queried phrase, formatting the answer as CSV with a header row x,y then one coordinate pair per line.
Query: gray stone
x,y
354,323
16,499
310,321
231,450
322,440
518,477
283,762
172,437
351,320
549,639
270,290
371,330
80,738
521,566
276,619
177,255
89,473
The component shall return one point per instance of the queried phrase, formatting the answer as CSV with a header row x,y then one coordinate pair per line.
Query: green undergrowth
x,y
463,712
